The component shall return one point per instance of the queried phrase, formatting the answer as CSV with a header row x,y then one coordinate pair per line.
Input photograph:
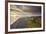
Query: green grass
x,y
33,22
